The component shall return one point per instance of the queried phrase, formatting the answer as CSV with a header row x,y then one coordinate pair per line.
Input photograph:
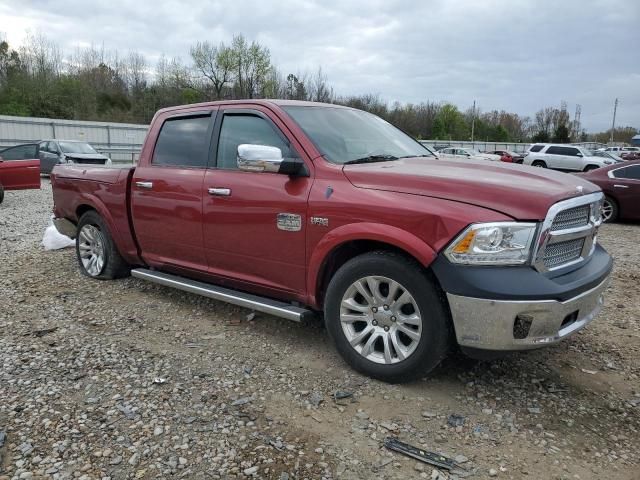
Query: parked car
x,y
607,155
563,157
508,156
19,169
54,152
467,153
630,155
619,150
300,207
621,186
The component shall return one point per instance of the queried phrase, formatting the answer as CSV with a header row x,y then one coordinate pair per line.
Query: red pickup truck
x,y
292,208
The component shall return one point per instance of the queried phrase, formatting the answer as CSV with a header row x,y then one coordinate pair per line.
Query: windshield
x,y
346,135
76,147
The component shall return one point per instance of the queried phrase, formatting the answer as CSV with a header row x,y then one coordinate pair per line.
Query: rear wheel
x,y
589,168
539,164
97,255
609,210
386,317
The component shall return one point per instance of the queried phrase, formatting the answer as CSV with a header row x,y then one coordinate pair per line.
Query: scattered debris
x,y
316,398
455,420
194,345
3,437
379,466
159,380
590,372
241,401
425,456
534,410
42,332
247,369
251,316
341,395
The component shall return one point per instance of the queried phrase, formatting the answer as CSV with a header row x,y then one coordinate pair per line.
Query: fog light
x,y
521,326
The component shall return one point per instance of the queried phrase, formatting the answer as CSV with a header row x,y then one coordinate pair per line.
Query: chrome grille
x,y
563,252
567,234
572,218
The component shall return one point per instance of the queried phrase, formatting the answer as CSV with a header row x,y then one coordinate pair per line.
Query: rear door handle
x,y
147,185
220,192
621,186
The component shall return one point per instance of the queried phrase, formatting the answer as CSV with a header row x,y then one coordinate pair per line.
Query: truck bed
x,y
106,189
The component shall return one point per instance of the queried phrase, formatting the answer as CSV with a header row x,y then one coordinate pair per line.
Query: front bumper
x,y
521,325
519,308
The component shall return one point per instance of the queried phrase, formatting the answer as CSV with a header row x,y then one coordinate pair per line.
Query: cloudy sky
x,y
515,55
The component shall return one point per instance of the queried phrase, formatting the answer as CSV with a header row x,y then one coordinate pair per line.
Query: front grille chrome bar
x,y
552,232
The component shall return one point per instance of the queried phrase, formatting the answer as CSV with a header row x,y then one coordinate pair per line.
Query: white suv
x,y
564,157
619,150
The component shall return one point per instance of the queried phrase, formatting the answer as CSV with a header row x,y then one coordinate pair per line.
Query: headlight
x,y
504,243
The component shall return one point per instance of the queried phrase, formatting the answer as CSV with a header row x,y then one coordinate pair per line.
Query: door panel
x,y
20,174
167,191
243,238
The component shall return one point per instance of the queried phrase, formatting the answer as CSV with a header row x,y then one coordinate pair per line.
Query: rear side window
x,y
536,148
183,142
555,151
21,152
631,173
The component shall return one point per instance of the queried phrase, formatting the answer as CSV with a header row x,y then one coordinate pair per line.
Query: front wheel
x,y
539,164
386,317
1,194
97,254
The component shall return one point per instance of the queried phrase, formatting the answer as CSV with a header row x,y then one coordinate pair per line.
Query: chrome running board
x,y
246,300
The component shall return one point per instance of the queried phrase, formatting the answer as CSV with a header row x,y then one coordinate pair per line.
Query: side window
x,y
555,151
631,173
536,148
183,141
20,152
246,128
571,151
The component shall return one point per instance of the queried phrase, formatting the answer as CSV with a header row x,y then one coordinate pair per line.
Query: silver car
x,y
53,152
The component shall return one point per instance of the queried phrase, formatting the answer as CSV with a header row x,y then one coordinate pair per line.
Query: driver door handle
x,y
147,185
621,186
220,192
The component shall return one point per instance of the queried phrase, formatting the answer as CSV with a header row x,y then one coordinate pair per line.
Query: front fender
x,y
388,234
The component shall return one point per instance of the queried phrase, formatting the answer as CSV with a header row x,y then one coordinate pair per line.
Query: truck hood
x,y
521,192
86,156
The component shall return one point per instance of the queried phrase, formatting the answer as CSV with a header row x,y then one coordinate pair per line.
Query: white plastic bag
x,y
54,240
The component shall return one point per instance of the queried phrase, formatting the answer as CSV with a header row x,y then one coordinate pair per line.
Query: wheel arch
x,y
350,241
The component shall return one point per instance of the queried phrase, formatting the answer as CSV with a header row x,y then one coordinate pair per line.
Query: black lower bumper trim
x,y
521,283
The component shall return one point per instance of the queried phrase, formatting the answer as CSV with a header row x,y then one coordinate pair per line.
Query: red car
x,y
630,155
508,156
621,185
293,207
19,170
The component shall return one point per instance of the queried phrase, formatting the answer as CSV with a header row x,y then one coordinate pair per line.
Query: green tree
x,y
561,134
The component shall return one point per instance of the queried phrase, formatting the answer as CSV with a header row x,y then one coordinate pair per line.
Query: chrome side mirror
x,y
259,158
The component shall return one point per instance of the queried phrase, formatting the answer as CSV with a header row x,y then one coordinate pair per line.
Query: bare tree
x,y
215,63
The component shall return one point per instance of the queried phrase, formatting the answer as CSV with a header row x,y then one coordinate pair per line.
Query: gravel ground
x,y
125,379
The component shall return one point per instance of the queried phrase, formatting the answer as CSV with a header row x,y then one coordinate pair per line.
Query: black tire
x,y
613,205
539,164
1,193
589,168
434,341
114,265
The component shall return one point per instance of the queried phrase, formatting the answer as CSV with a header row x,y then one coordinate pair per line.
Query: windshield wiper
x,y
417,156
372,159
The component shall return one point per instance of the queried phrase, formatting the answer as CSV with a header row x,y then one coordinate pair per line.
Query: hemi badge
x,y
323,222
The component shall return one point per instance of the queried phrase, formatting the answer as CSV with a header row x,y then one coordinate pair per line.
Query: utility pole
x,y
613,125
576,122
473,120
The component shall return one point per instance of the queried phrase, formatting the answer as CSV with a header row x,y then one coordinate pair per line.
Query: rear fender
x,y
123,240
382,233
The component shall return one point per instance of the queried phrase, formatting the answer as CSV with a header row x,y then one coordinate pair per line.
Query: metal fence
x,y
121,142
494,146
